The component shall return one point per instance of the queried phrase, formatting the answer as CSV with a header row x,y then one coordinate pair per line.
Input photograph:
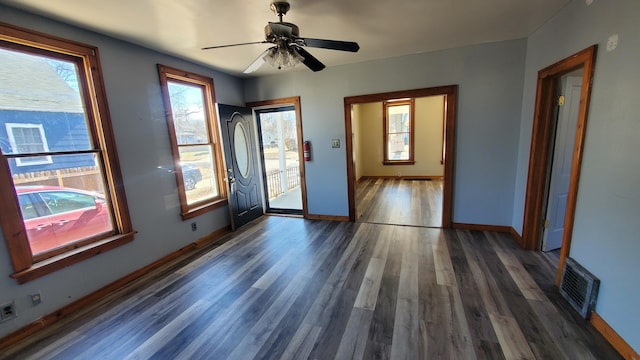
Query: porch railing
x,y
293,177
275,180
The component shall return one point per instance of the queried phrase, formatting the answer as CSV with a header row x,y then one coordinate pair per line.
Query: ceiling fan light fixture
x,y
283,58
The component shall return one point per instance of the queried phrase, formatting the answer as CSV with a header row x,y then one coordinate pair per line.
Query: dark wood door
x,y
245,197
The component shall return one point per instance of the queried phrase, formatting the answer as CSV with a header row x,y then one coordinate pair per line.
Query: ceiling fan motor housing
x,y
281,29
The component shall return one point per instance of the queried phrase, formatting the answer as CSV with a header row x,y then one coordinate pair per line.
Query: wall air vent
x,y
579,287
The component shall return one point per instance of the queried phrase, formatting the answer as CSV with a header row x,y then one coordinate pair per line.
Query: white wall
x,y
605,238
135,103
488,121
429,120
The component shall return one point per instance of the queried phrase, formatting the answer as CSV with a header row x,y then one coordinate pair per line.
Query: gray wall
x,y
488,122
133,92
605,236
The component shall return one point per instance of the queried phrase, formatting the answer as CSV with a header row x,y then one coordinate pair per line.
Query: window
x,y
60,185
189,104
398,132
28,138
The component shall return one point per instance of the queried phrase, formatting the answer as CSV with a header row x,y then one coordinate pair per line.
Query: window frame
x,y
385,131
167,74
14,145
28,267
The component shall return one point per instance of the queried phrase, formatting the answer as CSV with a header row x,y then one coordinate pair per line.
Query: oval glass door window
x,y
241,147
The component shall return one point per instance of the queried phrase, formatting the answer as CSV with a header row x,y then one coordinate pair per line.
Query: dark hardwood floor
x,y
289,288
399,202
554,257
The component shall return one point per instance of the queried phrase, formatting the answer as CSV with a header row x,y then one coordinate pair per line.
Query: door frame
x,y
295,102
539,157
451,94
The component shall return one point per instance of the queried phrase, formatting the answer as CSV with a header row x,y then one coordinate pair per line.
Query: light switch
x,y
612,43
335,143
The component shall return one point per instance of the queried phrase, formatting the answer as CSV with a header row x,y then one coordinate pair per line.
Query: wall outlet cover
x,y
7,311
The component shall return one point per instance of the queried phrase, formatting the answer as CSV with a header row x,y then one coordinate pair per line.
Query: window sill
x,y
203,209
69,258
399,162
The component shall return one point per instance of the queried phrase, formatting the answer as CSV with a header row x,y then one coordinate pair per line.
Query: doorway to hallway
x,y
447,152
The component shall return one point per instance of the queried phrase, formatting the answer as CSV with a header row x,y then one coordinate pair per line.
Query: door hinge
x,y
560,100
546,224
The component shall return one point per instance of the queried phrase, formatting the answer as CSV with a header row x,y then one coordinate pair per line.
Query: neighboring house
x,y
40,112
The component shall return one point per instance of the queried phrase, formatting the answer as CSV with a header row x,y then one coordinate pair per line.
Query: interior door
x,y
561,163
245,197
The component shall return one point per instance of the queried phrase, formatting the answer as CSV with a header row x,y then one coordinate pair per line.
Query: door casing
x,y
543,122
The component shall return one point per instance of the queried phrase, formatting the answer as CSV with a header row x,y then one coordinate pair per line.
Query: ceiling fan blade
x,y
230,45
310,61
332,44
255,65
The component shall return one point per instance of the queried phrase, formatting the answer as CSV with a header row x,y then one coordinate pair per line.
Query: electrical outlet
x,y
194,226
36,299
7,311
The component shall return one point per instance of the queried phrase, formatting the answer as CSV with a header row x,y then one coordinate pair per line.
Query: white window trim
x,y
14,145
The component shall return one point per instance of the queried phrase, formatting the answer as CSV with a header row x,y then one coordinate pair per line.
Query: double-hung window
x,y
60,187
189,106
398,124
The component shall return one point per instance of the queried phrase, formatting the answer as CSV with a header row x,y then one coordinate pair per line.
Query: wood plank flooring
x,y
289,288
399,202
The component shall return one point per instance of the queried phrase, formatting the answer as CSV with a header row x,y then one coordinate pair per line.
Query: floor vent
x,y
579,287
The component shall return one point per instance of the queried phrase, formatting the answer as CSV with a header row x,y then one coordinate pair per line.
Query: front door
x,y
561,163
245,198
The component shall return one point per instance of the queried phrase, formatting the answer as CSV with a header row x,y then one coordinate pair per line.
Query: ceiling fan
x,y
288,47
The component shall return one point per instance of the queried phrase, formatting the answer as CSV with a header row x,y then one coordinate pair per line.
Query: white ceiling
x,y
383,28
